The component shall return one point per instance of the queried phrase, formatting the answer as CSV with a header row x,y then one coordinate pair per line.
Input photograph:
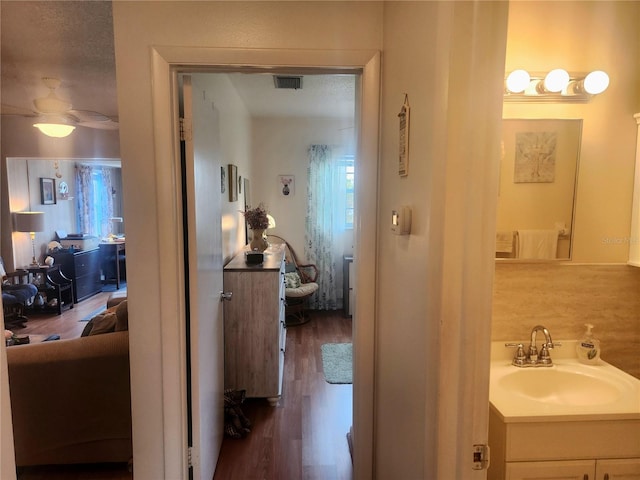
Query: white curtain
x,y
94,190
325,224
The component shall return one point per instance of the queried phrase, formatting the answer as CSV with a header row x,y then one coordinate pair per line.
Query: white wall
x,y
232,137
280,148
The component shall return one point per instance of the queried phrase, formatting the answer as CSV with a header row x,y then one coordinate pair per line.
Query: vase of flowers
x,y
258,222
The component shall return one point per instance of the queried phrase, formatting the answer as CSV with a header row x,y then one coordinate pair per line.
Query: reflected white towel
x,y
537,244
504,242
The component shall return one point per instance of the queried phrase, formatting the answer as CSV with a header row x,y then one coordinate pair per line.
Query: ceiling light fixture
x,y
55,126
558,85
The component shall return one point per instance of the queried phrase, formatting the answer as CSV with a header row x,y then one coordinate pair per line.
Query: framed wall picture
x,y
47,191
287,185
233,183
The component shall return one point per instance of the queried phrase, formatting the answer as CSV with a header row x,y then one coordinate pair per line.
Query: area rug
x,y
337,362
94,313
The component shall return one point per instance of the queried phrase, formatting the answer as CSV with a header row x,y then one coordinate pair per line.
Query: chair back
x,y
308,272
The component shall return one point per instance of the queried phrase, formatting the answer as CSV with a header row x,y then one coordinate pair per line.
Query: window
x,y
348,161
94,187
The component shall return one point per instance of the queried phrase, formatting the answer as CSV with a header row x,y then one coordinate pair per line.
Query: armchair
x,y
16,293
300,283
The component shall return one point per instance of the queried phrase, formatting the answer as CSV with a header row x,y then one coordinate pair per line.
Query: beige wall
x,y
20,139
580,37
433,285
565,297
24,194
138,26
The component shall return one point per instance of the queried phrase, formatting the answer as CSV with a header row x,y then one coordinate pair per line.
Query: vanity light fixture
x,y
558,85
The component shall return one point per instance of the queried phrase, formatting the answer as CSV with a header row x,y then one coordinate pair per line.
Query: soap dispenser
x,y
588,347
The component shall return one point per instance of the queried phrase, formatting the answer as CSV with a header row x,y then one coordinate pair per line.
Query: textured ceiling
x,y
73,41
320,96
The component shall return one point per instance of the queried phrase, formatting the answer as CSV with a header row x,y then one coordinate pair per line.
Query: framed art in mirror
x,y
47,191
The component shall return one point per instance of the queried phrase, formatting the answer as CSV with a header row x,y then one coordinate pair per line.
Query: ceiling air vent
x,y
287,81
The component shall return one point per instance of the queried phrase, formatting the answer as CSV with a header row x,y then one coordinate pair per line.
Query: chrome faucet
x,y
532,358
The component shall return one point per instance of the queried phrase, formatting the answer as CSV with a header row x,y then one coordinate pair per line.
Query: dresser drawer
x,y
87,263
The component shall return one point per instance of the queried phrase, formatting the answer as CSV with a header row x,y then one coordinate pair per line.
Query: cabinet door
x,y
557,470
627,469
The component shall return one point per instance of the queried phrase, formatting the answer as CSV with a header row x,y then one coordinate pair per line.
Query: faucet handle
x,y
519,358
545,358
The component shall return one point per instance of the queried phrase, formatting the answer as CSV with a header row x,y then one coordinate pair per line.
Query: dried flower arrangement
x,y
257,217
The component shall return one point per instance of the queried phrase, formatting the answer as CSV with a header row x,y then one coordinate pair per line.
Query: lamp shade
x,y
29,221
55,130
57,126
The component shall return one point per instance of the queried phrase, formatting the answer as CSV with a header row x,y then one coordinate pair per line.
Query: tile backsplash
x,y
563,297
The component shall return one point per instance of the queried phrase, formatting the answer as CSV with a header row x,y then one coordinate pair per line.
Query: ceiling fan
x,y
57,117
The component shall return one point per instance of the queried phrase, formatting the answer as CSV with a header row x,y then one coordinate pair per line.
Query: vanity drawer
x,y
572,440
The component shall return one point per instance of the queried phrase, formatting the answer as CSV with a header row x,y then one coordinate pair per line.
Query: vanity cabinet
x,y
254,325
566,450
627,469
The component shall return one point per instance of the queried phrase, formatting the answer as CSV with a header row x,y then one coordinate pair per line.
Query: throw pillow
x,y
292,280
122,314
105,323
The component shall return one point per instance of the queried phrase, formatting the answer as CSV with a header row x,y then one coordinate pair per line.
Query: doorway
x,y
280,125
167,62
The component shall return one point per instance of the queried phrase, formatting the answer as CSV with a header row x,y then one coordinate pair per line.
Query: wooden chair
x,y
16,292
300,283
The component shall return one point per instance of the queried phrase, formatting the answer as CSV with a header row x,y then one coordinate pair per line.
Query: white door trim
x,y
166,62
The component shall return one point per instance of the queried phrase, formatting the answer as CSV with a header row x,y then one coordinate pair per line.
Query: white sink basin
x,y
568,390
563,386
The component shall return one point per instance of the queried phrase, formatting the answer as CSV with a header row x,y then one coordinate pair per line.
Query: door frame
x,y
167,62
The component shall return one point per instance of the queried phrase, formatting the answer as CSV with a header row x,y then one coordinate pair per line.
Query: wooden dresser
x,y
254,325
83,267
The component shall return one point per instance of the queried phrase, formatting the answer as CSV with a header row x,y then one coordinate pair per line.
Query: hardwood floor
x,y
303,437
67,325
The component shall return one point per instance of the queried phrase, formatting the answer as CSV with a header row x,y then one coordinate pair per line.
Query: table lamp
x,y
30,222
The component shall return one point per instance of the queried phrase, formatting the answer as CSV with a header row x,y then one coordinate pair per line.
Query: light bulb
x,y
556,80
596,82
518,80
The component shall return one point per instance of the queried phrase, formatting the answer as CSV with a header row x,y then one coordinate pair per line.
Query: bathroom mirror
x,y
536,197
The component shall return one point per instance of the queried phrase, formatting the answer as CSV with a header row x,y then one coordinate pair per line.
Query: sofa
x,y
71,399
